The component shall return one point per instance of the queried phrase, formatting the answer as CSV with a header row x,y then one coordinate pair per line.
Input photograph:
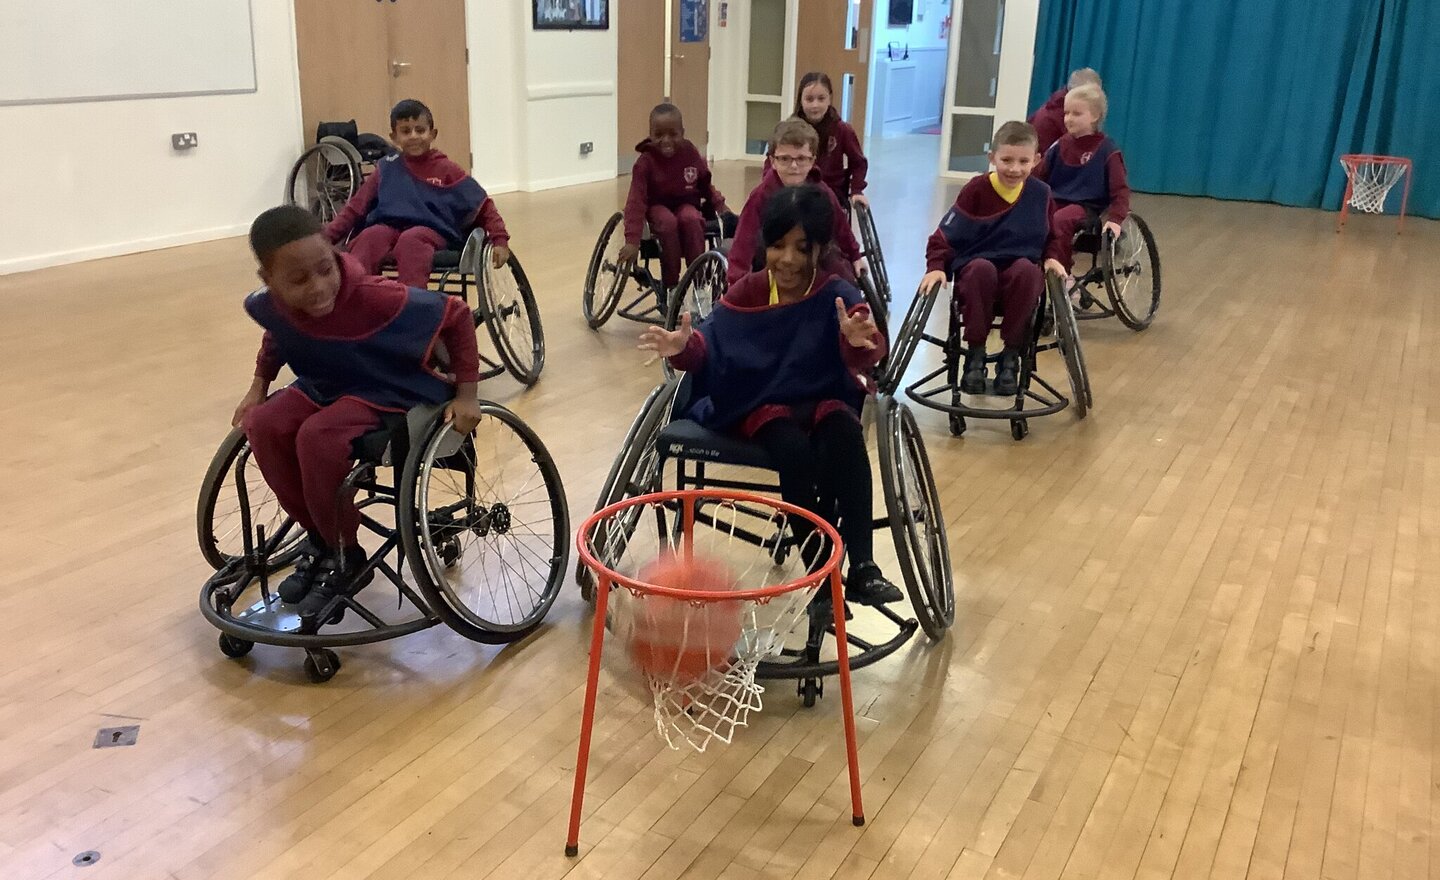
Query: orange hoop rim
x,y
1351,160
687,499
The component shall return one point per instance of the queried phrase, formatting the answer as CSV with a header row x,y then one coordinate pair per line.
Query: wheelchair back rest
x,y
347,130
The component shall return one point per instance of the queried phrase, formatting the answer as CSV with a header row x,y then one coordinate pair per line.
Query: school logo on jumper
x,y
830,144
1086,157
692,174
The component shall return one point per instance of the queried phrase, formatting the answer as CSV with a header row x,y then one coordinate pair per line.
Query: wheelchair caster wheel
x,y
957,426
234,648
450,553
810,689
780,552
321,665
1019,429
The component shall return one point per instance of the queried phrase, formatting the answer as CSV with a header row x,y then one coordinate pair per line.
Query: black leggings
x,y
826,471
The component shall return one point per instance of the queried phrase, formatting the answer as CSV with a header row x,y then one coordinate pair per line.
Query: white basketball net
x,y
698,658
1370,183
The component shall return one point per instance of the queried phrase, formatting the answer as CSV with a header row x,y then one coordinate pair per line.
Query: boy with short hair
x,y
793,147
671,187
1086,173
360,347
991,243
1049,120
416,202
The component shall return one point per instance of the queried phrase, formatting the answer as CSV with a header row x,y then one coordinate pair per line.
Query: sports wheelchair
x,y
329,173
870,250
661,434
1052,328
481,519
606,279
1127,267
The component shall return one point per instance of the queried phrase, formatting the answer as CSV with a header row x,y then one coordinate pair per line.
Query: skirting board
x,y
119,248
572,180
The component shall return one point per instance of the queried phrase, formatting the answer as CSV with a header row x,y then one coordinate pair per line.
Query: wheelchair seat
x,y
684,438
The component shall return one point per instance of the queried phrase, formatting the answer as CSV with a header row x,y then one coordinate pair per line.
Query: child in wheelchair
x,y
779,362
1049,120
990,243
671,187
839,159
793,148
417,202
360,347
1086,173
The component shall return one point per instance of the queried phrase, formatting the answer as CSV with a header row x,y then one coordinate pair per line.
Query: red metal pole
x,y
587,715
847,701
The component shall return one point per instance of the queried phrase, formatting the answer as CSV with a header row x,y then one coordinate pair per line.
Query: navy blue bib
x,y
786,354
1019,233
404,200
387,368
1085,184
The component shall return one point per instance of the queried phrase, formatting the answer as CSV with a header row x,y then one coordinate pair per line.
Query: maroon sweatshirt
x,y
435,168
363,305
682,179
747,233
1077,151
979,200
841,163
1049,120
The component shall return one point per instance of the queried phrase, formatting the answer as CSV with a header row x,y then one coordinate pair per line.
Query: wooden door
x,y
690,71
428,61
835,38
343,52
640,80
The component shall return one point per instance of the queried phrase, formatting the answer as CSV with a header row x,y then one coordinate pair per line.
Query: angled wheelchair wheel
x,y
916,522
881,314
636,471
1067,336
605,279
1131,265
699,289
870,242
220,522
486,530
906,340
512,316
324,178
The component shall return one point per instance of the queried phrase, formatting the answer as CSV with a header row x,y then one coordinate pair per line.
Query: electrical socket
x,y
184,140
587,147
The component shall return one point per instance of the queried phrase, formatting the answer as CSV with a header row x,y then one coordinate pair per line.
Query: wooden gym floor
x,y
1196,634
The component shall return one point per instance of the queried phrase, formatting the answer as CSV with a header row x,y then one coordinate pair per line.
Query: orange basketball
x,y
677,640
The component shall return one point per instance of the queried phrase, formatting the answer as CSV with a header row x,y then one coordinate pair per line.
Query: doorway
x,y
663,56
357,60
835,38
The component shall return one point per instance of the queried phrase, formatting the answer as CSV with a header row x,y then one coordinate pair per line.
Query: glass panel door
x,y
991,52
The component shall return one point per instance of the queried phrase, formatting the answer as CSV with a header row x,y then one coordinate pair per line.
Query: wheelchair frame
x,y
1101,246
653,304
419,447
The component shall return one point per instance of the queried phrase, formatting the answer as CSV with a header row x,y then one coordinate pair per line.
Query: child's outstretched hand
x,y
1113,228
667,343
932,282
499,256
463,414
858,329
628,253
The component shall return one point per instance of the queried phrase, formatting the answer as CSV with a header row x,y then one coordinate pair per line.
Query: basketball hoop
x,y
1369,180
699,587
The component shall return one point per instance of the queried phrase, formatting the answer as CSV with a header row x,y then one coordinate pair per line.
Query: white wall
x,y
536,95
923,33
89,180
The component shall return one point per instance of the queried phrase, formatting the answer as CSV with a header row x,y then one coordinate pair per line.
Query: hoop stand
x,y
1351,163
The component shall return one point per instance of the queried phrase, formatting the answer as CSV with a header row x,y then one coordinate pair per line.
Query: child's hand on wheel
x,y
858,199
1054,265
667,343
1113,228
463,414
627,254
499,255
253,398
858,329
932,282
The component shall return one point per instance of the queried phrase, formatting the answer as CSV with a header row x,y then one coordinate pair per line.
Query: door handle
x,y
398,67
679,57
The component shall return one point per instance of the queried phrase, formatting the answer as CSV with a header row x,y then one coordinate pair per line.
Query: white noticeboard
x,y
55,51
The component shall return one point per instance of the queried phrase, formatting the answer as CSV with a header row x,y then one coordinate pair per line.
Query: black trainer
x,y
296,584
972,380
332,580
1007,375
868,586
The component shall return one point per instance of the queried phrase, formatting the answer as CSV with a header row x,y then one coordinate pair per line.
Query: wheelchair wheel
x,y
605,280
870,243
918,526
487,529
324,178
699,289
881,314
512,316
219,524
1067,336
636,471
906,340
1131,266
